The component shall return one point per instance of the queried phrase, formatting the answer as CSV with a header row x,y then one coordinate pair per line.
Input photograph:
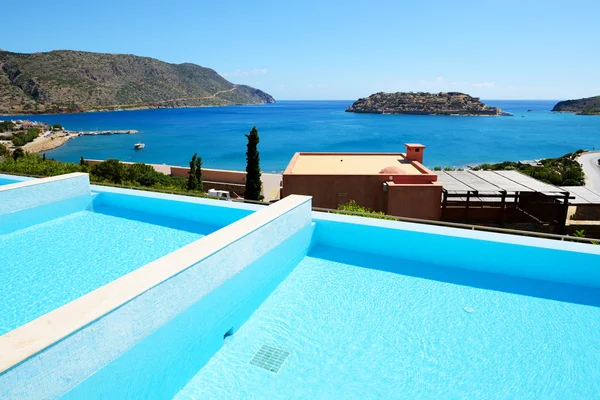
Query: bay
x,y
172,136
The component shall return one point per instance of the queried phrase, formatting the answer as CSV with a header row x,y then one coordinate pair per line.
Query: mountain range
x,y
74,81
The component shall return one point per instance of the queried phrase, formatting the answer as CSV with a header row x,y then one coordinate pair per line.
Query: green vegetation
x,y
253,182
22,138
560,171
110,171
57,127
6,126
18,153
195,174
352,206
4,150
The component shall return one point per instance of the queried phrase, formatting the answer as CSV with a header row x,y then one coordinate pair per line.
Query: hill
x,y
587,106
451,103
74,81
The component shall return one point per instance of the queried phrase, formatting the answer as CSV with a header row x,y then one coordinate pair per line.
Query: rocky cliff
x,y
73,81
587,106
451,103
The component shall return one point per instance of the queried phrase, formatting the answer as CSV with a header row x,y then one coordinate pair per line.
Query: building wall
x,y
213,175
404,200
414,201
328,191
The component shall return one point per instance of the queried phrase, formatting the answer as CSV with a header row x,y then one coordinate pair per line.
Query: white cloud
x,y
239,72
439,78
483,84
453,83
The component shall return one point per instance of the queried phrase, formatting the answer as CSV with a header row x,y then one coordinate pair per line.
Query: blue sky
x,y
333,49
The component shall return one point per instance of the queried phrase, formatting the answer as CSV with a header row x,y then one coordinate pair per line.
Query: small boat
x,y
139,146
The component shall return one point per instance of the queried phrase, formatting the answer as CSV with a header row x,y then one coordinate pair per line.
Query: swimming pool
x,y
371,327
283,302
55,253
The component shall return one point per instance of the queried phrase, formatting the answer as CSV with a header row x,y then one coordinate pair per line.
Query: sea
x,y
172,136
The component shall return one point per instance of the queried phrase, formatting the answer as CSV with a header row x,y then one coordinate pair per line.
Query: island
x,y
68,81
587,106
422,103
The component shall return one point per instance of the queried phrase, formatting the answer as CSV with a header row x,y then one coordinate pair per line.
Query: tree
x,y
57,127
192,182
18,153
82,162
110,170
253,182
198,173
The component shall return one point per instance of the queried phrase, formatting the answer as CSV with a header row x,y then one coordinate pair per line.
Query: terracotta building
x,y
395,183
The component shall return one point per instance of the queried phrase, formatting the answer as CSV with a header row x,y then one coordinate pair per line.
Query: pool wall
x,y
162,363
90,332
30,202
519,256
34,193
208,211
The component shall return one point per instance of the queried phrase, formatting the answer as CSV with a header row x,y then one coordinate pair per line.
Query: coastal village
x,y
41,137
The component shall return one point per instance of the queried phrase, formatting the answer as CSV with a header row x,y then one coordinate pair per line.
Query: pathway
x,y
589,163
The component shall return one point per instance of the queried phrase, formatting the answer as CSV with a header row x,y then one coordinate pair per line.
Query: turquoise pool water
x,y
351,307
369,327
50,264
5,181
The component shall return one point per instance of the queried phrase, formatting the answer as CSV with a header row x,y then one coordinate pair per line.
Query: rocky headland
x,y
586,106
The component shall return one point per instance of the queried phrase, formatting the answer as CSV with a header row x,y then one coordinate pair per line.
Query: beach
x,y
52,140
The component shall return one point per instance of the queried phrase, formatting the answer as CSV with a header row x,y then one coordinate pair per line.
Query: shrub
x,y
4,150
353,206
18,153
22,138
110,170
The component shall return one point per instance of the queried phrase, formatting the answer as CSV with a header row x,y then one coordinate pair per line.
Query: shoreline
x,y
54,140
100,110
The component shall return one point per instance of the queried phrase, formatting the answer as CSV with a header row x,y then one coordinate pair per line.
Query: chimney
x,y
414,152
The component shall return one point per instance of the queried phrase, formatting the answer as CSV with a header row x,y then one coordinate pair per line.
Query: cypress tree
x,y
198,173
192,183
253,182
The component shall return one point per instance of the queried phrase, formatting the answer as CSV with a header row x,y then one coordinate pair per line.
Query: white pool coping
x,y
33,181
24,342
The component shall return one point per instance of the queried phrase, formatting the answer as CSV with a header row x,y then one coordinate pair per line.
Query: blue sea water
x,y
217,133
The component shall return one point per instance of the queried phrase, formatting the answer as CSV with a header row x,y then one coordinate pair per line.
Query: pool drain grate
x,y
269,358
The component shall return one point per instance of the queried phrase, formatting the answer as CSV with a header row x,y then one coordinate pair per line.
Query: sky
x,y
329,49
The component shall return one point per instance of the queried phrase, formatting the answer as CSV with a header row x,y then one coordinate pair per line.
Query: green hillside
x,y
72,81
